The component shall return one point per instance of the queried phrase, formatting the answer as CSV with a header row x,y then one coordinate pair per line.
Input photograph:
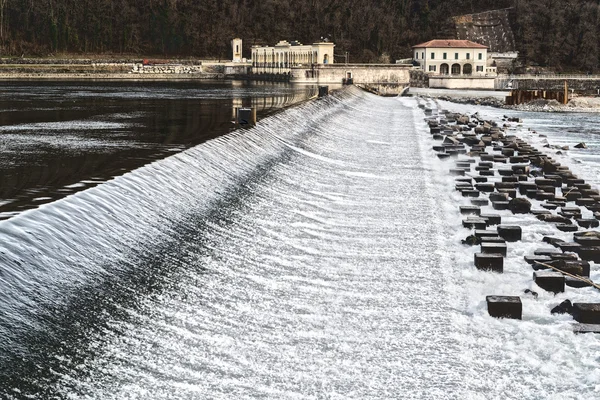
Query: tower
x,y
236,46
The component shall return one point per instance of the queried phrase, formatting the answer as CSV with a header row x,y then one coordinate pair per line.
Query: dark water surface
x,y
57,138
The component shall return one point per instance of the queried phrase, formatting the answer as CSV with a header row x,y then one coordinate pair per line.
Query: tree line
x,y
561,34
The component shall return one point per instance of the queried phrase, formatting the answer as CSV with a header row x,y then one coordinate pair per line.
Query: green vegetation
x,y
548,32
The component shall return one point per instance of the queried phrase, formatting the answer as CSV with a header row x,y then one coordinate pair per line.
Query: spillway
x,y
313,256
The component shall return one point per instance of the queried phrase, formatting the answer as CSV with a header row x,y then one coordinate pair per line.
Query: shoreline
x,y
494,99
107,76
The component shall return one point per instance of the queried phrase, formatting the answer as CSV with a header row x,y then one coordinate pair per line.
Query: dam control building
x,y
280,59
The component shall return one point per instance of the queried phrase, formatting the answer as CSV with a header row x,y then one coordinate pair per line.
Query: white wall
x,y
447,82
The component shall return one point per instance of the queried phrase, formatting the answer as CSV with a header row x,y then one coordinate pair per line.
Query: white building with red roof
x,y
453,58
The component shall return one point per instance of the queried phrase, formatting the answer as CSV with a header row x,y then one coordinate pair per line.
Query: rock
x,y
472,240
531,292
580,146
519,206
563,308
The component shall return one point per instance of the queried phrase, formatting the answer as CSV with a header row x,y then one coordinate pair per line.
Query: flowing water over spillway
x,y
314,256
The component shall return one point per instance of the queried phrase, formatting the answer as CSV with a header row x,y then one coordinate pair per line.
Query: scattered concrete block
x,y
492,219
485,187
553,241
546,252
569,247
485,233
537,259
510,233
480,179
550,281
576,283
493,248
480,202
497,196
591,253
474,223
470,210
586,328
489,262
492,239
505,306
540,212
470,193
588,223
567,227
586,313
500,205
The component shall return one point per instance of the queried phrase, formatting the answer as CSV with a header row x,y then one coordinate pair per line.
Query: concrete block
x,y
492,219
550,281
497,196
474,223
470,210
470,193
505,306
567,227
480,202
510,233
493,248
586,313
485,187
489,262
500,205
586,328
531,260
588,222
591,253
576,283
546,252
480,233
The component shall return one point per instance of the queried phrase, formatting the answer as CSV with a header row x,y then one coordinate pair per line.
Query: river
x,y
314,256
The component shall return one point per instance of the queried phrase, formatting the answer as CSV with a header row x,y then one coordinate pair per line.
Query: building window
x,y
423,55
445,55
432,56
456,56
416,55
480,56
468,56
480,68
432,68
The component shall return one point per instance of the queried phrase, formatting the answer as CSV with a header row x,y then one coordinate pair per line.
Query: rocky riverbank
x,y
577,104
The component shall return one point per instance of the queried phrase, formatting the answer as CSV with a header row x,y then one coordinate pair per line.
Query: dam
x,y
312,256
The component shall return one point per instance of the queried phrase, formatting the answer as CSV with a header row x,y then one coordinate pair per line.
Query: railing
x,y
549,76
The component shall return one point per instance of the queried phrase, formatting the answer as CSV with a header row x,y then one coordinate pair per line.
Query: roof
x,y
450,43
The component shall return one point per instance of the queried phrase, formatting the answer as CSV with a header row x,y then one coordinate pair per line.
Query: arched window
x,y
467,69
455,69
326,59
444,69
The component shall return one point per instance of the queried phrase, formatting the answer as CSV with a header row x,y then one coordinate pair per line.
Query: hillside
x,y
547,32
